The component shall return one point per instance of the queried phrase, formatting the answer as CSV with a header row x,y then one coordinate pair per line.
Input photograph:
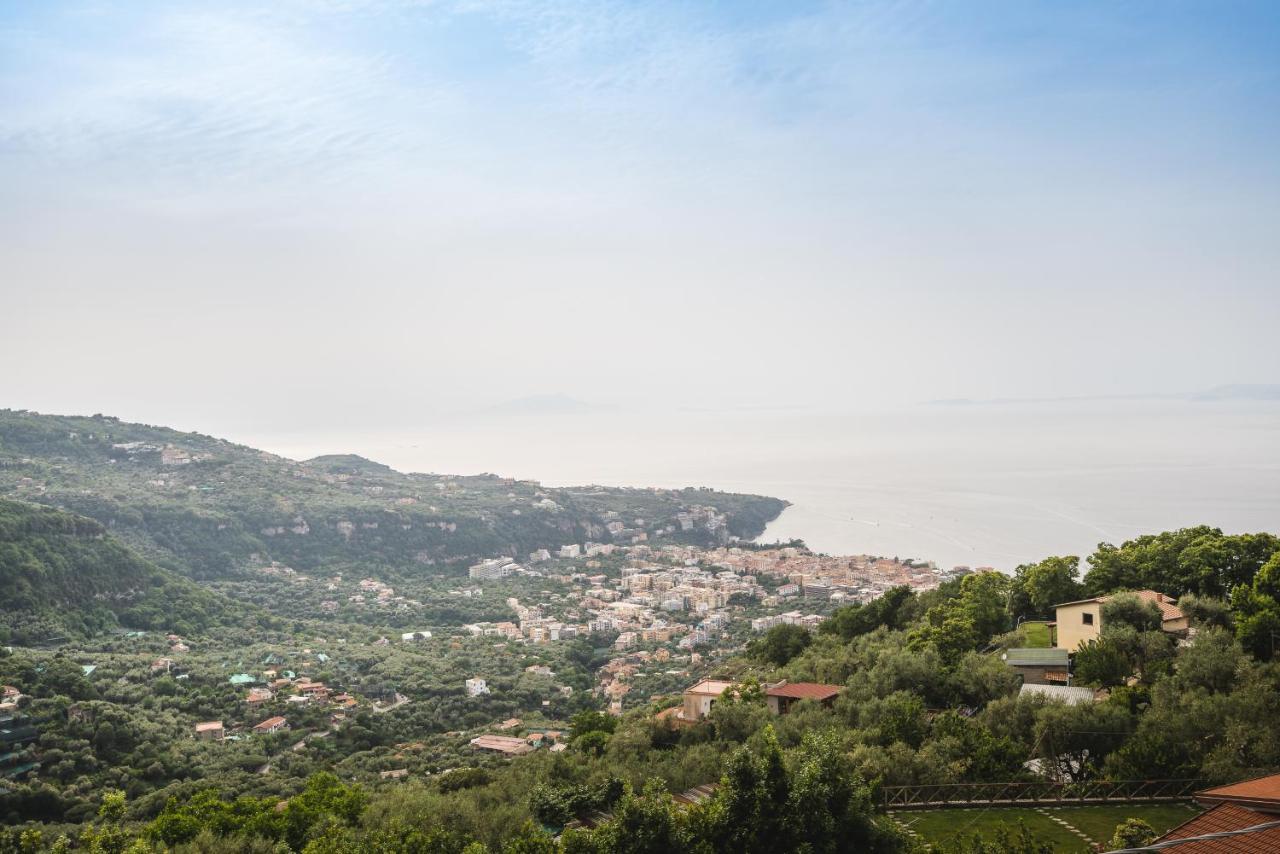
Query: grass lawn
x,y
942,826
1099,822
1037,634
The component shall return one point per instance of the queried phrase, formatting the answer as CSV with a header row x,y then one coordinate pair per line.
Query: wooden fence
x,y
1035,792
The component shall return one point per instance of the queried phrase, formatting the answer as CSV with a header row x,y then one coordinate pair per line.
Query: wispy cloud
x,y
210,96
204,93
820,194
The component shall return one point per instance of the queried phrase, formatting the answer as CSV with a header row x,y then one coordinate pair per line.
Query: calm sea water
x,y
975,485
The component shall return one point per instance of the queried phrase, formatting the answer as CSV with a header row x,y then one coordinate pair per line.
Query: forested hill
x,y
64,576
207,507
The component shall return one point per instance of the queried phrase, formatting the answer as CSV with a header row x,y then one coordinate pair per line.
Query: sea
x,y
974,485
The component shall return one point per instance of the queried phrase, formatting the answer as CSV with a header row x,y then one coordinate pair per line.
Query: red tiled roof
x,y
269,723
1169,609
1221,818
805,691
1261,793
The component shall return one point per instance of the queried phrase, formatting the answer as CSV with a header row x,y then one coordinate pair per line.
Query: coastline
x,y
970,486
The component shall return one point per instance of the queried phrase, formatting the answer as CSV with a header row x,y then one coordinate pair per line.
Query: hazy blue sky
x,y
216,214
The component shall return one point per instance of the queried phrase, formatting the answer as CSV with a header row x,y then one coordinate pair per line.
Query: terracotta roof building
x,y
1258,793
209,730
699,698
1077,623
1236,807
271,725
502,744
784,695
258,696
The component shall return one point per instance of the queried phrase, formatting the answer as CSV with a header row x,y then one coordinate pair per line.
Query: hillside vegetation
x,y
62,575
203,506
108,753
926,699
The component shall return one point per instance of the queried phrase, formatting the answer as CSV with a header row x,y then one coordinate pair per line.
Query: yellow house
x,y
1079,622
699,699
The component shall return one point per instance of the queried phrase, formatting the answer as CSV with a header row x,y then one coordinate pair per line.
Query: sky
x,y
241,216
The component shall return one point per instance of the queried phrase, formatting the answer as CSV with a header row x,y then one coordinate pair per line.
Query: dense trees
x,y
767,801
1257,604
324,804
1212,717
808,799
63,576
1199,560
644,823
1102,663
1039,586
967,620
1073,741
780,644
926,700
590,721
557,805
1126,609
891,610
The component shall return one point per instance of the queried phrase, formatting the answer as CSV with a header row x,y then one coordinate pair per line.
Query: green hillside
x,y
206,507
62,575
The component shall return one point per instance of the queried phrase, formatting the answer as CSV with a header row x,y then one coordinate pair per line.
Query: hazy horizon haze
x,y
378,211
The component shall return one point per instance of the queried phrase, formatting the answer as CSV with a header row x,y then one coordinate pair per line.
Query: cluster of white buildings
x,y
791,618
489,570
660,588
678,597
858,578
